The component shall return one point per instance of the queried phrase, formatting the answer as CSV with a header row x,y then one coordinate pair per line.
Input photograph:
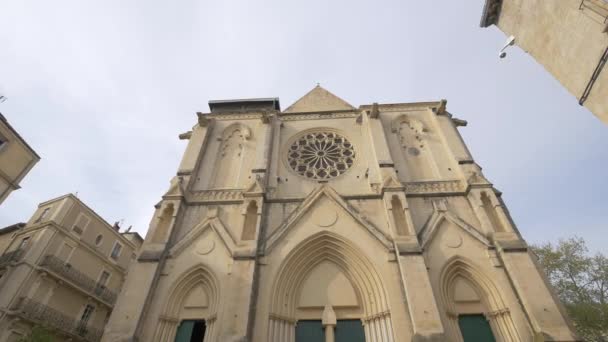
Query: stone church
x,y
326,222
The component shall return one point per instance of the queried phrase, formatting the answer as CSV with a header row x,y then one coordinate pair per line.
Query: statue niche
x,y
228,167
413,139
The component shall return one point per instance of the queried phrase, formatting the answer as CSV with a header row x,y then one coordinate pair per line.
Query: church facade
x,y
326,222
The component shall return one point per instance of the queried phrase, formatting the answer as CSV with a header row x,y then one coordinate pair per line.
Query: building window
x,y
81,327
320,155
24,243
103,279
81,223
65,252
43,215
98,240
116,251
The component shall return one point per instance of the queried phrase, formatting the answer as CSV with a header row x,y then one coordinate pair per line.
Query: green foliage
x,y
581,282
38,334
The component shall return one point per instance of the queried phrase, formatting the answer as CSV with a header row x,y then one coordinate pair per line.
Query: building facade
x,y
62,270
568,37
326,222
17,158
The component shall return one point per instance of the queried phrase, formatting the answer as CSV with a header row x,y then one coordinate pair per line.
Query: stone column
x,y
127,317
329,323
422,305
543,309
373,175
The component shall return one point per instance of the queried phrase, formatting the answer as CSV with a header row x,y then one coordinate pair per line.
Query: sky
x,y
102,89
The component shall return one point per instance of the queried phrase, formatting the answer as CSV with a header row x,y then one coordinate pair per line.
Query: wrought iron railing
x,y
47,316
598,7
11,256
58,266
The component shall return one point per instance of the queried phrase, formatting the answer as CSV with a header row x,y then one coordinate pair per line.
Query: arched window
x,y
251,221
399,216
491,212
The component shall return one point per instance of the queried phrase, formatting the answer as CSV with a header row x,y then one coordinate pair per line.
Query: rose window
x,y
321,155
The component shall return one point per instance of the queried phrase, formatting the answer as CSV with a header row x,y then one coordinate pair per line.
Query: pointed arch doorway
x,y
191,331
328,291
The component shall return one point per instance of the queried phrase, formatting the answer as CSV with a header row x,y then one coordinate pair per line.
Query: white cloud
x,y
101,89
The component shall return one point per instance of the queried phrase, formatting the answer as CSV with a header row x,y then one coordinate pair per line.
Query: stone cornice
x,y
412,189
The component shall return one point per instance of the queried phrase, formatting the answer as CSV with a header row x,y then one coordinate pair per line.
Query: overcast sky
x,y
101,90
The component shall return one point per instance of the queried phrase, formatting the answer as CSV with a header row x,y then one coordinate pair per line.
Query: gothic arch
x,y
496,310
351,261
197,277
228,166
251,222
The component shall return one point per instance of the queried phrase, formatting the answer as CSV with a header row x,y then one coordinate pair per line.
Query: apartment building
x,y
62,270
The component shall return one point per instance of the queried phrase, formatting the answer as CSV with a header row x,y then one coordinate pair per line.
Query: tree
x,y
38,334
581,282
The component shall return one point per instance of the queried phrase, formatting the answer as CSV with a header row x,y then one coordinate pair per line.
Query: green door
x,y
191,331
184,331
309,331
350,330
475,328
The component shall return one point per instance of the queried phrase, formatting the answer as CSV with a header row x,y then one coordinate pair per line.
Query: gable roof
x,y
213,223
430,229
318,100
321,192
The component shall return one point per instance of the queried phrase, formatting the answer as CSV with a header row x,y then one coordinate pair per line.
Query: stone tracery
x,y
321,249
321,155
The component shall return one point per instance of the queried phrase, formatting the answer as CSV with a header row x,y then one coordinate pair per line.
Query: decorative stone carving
x,y
204,247
327,218
296,117
320,155
218,195
434,187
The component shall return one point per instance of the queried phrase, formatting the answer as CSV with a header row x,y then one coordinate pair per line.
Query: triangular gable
x,y
213,223
313,197
176,188
318,100
392,183
256,188
428,232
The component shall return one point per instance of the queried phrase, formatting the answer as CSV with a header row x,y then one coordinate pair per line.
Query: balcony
x,y
12,256
596,9
49,317
59,267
